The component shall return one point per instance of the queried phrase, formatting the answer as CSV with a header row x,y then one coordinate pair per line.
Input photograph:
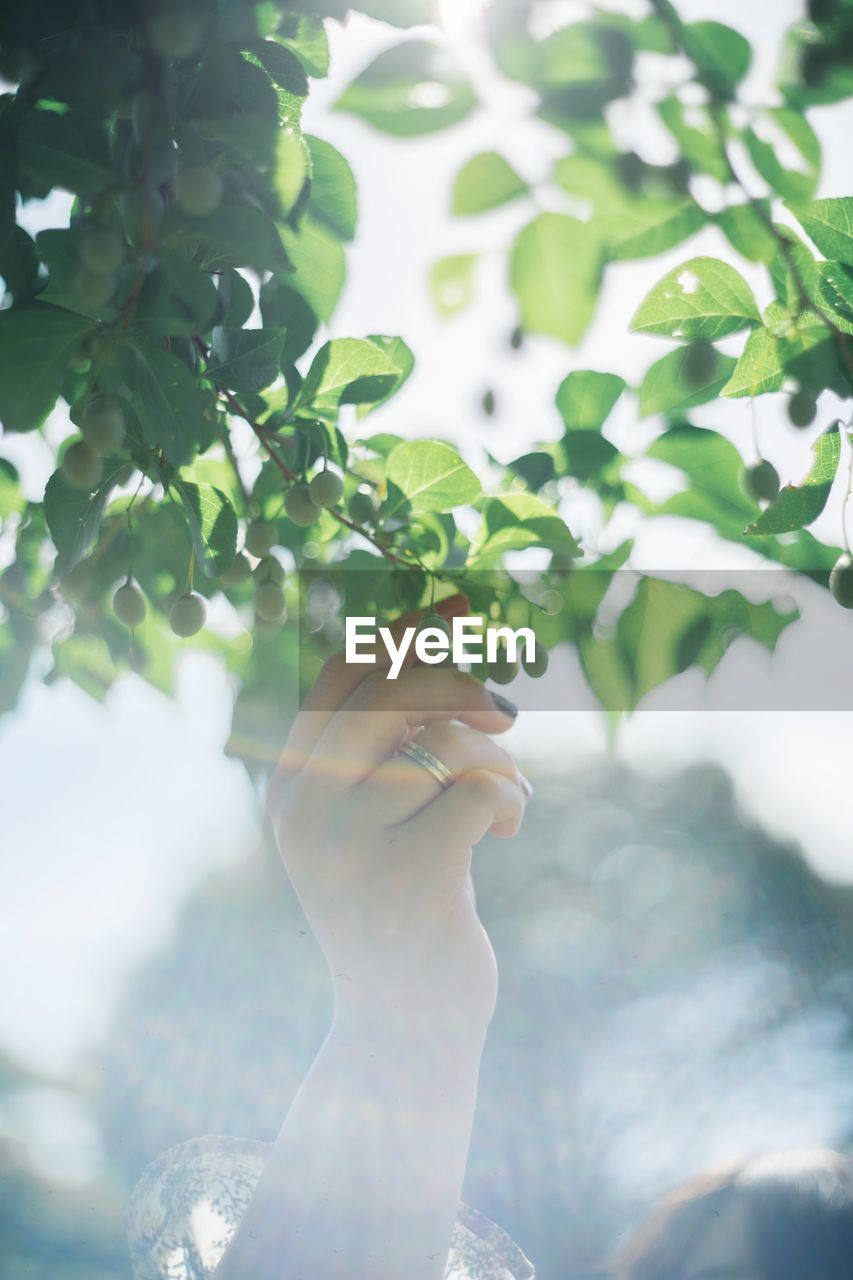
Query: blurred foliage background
x,y
676,988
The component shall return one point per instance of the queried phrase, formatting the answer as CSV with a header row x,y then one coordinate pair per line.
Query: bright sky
x,y
111,812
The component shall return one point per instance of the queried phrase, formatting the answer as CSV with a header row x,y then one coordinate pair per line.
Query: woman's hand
x,y
379,855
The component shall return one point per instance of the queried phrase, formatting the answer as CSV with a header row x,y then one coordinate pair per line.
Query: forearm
x,y
364,1180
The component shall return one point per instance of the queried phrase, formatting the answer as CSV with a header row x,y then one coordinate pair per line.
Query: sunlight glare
x,y
458,15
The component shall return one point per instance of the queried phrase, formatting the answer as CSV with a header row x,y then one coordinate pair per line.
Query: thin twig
x,y
291,477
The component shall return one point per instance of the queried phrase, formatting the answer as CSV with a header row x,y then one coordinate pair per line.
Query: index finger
x,y
380,714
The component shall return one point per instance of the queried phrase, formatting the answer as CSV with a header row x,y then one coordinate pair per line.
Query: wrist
x,y
414,1021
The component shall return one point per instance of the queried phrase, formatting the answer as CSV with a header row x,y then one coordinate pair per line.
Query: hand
x,y
379,855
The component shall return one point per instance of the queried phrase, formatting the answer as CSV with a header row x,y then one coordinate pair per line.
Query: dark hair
x,y
799,1214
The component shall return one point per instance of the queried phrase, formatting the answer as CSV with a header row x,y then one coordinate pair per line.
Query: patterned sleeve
x,y
187,1203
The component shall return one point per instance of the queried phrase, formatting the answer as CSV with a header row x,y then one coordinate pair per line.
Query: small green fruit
x,y
82,469
761,482
269,570
238,572
538,665
102,426
102,251
269,602
261,537
301,507
802,409
437,621
516,338
175,34
326,489
187,615
362,508
129,604
841,581
502,671
488,403
700,363
94,290
199,189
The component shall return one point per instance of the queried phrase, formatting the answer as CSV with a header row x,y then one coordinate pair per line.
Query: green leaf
x,y
412,88
333,194
665,389
829,223
670,626
747,231
429,475
176,299
646,227
213,524
699,144
290,168
240,235
801,350
348,371
245,359
581,66
282,307
515,521
555,271
166,398
19,262
836,293
592,180
713,467
834,78
721,54
74,518
485,182
37,344
11,497
400,355
307,38
68,150
319,262
585,398
282,65
792,184
236,297
451,282
800,504
793,270
584,454
702,299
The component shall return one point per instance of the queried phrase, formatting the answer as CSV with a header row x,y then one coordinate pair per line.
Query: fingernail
x,y
526,785
503,704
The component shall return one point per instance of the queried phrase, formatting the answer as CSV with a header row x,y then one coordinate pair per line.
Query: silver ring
x,y
426,759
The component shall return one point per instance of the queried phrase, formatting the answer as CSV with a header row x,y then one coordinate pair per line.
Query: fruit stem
x,y
290,476
755,443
